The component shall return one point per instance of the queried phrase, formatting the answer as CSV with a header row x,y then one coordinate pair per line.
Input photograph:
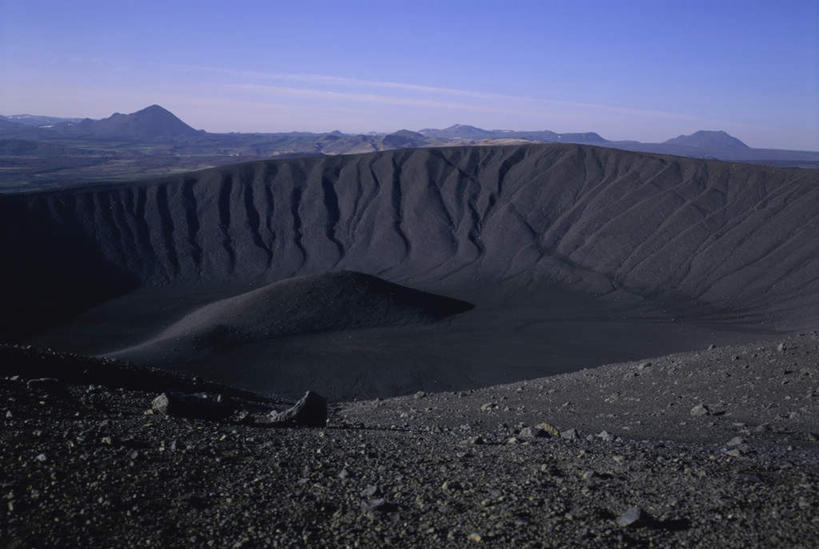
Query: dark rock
x,y
738,450
193,405
700,410
47,385
380,505
243,417
634,517
569,434
370,491
451,485
550,429
605,436
532,432
310,411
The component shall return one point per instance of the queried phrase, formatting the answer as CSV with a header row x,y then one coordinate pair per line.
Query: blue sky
x,y
628,70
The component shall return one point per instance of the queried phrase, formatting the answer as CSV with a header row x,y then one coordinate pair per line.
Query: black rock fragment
x,y
192,405
47,385
379,505
634,517
310,411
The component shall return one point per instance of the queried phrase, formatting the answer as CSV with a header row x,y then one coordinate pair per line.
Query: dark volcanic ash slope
x,y
510,229
725,234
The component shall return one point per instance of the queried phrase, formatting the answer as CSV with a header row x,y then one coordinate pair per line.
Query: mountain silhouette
x,y
705,139
149,124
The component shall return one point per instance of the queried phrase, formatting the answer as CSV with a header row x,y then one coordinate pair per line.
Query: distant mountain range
x,y
460,131
157,126
37,120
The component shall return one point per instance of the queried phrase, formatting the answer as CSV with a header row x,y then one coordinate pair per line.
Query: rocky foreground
x,y
710,449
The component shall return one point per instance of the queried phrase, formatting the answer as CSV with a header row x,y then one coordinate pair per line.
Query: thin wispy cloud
x,y
347,82
381,99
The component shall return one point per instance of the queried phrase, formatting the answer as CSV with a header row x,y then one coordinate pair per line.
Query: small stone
x,y
41,458
191,405
549,428
700,410
634,517
738,449
419,395
642,366
242,417
569,434
309,411
475,538
488,406
605,436
380,505
48,385
781,347
371,491
9,415
812,437
736,441
532,432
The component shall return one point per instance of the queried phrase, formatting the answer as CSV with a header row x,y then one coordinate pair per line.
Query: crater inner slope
x,y
631,235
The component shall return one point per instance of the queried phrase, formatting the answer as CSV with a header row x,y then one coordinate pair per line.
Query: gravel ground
x,y
710,449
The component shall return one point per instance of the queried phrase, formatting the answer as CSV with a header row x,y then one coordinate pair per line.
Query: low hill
x,y
710,140
405,139
332,301
458,131
149,124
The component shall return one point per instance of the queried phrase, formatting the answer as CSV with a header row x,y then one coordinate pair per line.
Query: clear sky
x,y
645,70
